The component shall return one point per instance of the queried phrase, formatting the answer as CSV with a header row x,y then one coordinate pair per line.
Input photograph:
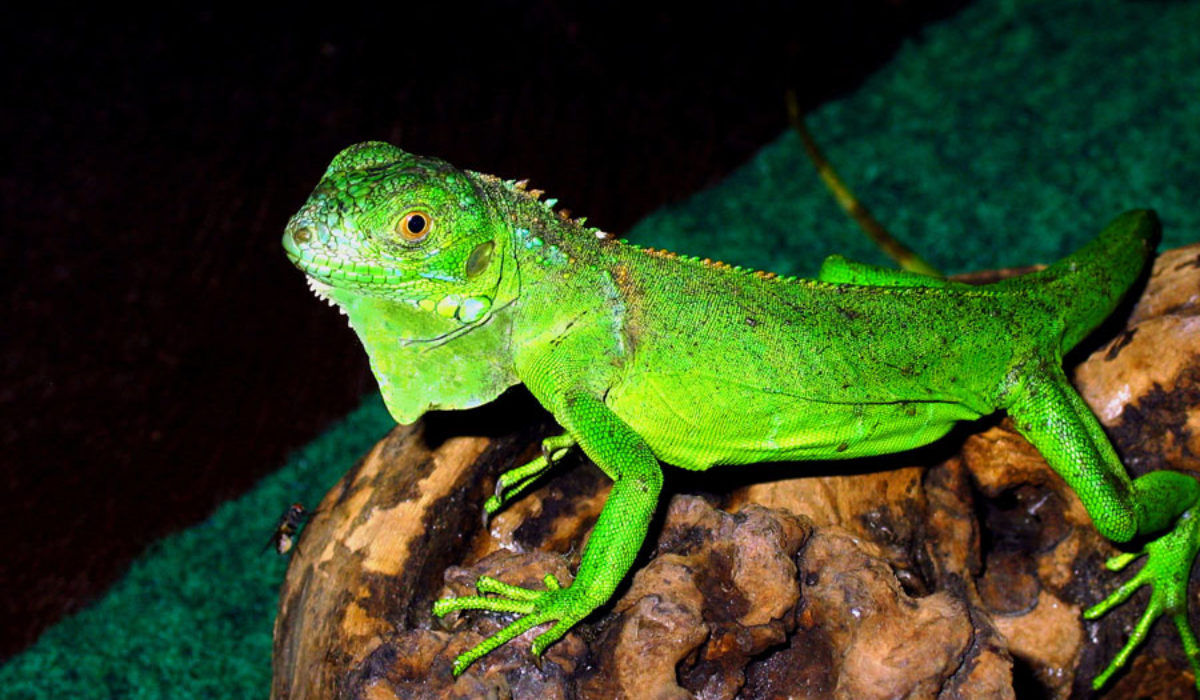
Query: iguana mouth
x,y
335,272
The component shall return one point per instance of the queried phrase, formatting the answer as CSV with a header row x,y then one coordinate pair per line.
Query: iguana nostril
x,y
302,235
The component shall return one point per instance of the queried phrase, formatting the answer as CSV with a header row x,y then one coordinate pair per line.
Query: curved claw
x,y
511,483
556,446
515,481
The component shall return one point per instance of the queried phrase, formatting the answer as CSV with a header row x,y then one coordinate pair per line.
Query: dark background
x,y
159,354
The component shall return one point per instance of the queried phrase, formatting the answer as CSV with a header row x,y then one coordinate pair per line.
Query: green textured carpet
x,y
1007,135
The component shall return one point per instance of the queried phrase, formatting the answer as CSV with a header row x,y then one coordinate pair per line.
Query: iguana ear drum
x,y
479,258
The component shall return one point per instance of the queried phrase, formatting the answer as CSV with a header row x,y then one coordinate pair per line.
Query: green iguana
x,y
461,285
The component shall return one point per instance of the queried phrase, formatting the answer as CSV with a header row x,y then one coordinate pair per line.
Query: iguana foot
x,y
1168,566
563,606
515,481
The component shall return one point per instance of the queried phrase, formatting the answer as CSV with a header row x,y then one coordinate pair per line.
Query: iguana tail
x,y
1086,286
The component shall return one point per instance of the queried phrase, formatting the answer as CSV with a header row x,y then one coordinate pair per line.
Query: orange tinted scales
x,y
521,188
663,254
631,293
660,253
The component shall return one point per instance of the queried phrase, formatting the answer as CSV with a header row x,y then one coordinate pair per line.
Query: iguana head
x,y
414,252
389,224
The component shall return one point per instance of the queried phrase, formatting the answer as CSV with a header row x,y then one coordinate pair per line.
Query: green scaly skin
x,y
461,285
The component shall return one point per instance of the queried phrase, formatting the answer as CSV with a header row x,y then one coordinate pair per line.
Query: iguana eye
x,y
414,227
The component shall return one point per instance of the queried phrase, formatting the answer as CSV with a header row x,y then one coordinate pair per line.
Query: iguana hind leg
x,y
1162,506
842,270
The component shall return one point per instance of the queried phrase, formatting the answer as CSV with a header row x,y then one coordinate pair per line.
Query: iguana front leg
x,y
611,549
1161,505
